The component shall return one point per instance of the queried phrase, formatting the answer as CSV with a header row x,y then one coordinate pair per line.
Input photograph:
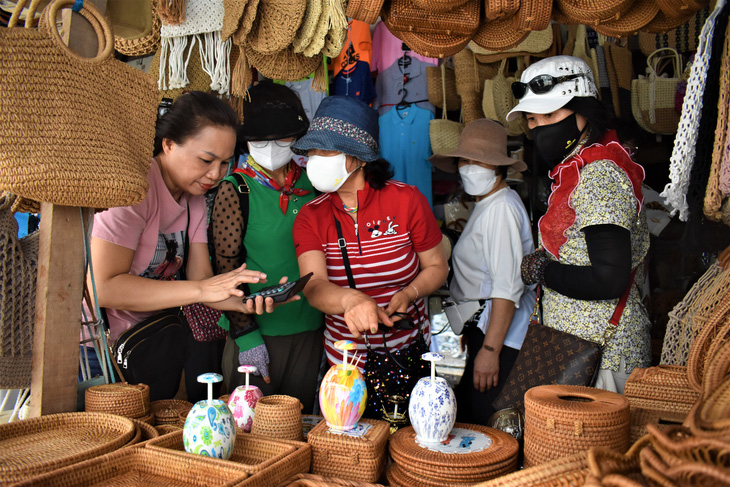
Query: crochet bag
x,y
18,268
444,133
652,96
74,131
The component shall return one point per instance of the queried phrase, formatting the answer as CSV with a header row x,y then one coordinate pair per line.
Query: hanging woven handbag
x,y
74,131
653,95
444,133
18,264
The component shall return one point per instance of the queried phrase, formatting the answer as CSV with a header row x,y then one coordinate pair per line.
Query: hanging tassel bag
x,y
652,96
74,131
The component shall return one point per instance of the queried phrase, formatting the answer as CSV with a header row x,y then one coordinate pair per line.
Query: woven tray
x,y
312,480
145,467
570,471
350,457
130,400
38,445
297,462
143,432
408,453
167,411
251,452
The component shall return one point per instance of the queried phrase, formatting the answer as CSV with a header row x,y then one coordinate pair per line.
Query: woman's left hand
x,y
259,305
486,370
400,301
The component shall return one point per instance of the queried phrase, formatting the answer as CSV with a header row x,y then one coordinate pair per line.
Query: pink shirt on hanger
x,y
387,48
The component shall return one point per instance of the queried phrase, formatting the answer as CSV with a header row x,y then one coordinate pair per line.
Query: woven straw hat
x,y
536,41
136,26
367,11
405,15
662,23
593,12
680,8
321,30
499,35
534,15
434,45
275,26
482,140
233,13
249,15
500,9
285,65
641,13
309,25
337,34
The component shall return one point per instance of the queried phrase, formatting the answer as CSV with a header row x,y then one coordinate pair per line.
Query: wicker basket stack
x,y
472,454
128,400
167,411
358,456
563,420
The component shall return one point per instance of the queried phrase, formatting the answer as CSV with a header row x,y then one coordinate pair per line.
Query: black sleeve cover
x,y
608,276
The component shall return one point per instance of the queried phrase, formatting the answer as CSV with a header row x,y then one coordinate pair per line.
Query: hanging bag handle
x,y
30,14
97,20
652,62
443,90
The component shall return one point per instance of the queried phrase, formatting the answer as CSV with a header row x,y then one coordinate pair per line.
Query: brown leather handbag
x,y
549,356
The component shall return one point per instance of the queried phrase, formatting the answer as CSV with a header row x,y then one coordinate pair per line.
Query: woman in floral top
x,y
593,237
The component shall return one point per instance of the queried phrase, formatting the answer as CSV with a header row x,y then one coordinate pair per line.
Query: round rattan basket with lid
x,y
167,411
278,416
130,400
562,420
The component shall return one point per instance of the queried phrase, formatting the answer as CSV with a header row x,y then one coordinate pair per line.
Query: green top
x,y
270,249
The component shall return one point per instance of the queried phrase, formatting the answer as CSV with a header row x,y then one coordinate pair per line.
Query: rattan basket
x,y
717,367
664,383
677,444
340,455
570,471
167,411
251,452
312,480
278,416
717,303
299,461
166,429
664,414
130,400
146,467
38,445
562,420
405,15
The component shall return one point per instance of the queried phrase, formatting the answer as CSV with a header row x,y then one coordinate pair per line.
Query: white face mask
x,y
477,180
328,173
271,154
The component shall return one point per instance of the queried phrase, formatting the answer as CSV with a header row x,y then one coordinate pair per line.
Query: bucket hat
x,y
272,111
561,93
342,124
482,140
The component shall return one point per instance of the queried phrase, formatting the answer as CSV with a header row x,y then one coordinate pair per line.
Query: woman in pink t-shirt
x,y
138,252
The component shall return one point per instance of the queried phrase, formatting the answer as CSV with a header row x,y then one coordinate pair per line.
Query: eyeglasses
x,y
542,84
260,144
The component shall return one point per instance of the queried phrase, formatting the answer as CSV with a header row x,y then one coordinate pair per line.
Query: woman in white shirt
x,y
486,264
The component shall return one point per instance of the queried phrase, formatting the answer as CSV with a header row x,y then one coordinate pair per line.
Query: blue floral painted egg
x,y
210,430
432,409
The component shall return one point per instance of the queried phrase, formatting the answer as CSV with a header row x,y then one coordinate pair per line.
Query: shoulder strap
x,y
343,248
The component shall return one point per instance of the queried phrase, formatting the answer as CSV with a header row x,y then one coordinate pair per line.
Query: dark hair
x,y
600,120
501,171
377,172
190,114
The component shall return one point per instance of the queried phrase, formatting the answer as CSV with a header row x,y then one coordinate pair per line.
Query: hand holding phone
x,y
281,292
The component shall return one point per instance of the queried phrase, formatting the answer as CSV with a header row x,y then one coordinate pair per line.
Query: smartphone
x,y
281,292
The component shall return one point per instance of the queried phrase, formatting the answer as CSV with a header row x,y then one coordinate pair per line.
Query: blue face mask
x,y
555,141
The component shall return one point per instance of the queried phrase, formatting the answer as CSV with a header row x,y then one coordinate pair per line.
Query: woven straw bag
x,y
653,95
498,99
136,26
367,11
18,268
70,148
441,83
439,5
406,16
683,38
536,42
444,133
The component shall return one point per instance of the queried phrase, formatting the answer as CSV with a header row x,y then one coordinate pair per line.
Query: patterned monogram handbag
x,y
548,356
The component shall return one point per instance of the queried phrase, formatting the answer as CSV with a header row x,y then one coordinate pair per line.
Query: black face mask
x,y
555,141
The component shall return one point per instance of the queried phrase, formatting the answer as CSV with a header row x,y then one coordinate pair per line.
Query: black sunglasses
x,y
541,84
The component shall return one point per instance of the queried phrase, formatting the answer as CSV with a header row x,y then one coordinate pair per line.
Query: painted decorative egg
x,y
343,394
242,402
432,406
209,428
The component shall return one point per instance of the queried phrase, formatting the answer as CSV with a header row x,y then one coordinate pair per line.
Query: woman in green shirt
x,y
251,222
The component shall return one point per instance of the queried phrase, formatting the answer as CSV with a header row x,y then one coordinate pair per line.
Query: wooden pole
x,y
60,285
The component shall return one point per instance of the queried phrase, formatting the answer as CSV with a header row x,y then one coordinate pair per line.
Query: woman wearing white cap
x,y
486,263
593,237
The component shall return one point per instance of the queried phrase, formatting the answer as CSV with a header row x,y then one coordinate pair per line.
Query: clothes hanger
x,y
403,103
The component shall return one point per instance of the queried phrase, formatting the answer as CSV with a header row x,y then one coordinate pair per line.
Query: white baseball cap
x,y
559,90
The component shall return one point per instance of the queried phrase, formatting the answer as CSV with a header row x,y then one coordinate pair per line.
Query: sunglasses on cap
x,y
542,84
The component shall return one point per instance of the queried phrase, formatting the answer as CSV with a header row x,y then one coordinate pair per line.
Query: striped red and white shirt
x,y
393,225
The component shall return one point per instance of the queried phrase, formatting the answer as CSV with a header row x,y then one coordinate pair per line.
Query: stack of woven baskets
x,y
472,454
128,400
562,420
168,414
